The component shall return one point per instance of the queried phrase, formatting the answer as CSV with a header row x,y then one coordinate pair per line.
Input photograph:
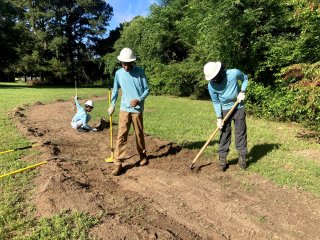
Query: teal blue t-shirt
x,y
133,85
224,94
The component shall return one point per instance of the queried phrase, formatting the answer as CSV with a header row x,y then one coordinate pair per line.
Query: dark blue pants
x,y
239,119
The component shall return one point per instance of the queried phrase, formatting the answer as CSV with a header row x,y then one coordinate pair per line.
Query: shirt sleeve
x,y
215,101
145,87
77,103
115,90
244,79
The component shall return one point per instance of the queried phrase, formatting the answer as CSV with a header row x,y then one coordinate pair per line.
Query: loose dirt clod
x,y
103,124
38,103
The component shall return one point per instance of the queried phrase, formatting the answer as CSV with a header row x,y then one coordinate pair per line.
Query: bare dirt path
x,y
163,200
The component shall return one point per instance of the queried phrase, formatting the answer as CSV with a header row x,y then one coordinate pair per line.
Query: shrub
x,y
295,97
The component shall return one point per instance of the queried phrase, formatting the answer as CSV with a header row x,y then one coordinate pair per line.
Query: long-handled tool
x,y
22,148
111,158
214,133
23,169
74,108
29,167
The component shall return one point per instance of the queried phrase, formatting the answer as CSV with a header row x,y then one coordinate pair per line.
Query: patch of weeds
x,y
133,212
249,187
263,219
66,225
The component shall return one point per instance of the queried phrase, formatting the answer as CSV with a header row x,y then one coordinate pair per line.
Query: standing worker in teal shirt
x,y
133,83
225,90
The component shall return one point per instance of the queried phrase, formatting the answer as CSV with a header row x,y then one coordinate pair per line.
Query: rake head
x,y
109,160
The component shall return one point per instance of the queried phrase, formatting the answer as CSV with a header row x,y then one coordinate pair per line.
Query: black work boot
x,y
242,162
222,164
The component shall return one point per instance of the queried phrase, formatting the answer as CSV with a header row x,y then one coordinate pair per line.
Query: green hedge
x,y
295,96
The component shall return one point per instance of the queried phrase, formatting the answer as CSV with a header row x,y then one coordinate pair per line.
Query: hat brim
x,y
126,60
217,68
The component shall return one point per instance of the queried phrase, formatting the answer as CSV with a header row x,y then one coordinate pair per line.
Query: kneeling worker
x,y
82,117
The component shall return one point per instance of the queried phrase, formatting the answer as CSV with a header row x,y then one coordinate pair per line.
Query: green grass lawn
x,y
274,152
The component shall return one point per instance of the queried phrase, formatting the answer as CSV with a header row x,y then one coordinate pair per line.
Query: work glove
x,y
219,123
111,110
241,96
134,102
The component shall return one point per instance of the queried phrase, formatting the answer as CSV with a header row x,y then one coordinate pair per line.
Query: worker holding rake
x,y
225,91
133,83
82,117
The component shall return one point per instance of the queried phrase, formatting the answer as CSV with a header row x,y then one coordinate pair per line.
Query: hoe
x,y
214,133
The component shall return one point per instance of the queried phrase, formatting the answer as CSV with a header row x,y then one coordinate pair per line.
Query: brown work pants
x,y
125,120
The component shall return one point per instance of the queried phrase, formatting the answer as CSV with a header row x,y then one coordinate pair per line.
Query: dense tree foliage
x,y
62,36
12,36
260,37
60,41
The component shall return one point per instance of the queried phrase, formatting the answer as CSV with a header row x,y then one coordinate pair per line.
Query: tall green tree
x,y
64,33
12,35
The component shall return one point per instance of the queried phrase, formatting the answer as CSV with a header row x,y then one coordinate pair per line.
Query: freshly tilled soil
x,y
163,200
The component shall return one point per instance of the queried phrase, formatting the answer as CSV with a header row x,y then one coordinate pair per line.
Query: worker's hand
x,y
241,96
75,97
134,102
111,110
219,123
94,130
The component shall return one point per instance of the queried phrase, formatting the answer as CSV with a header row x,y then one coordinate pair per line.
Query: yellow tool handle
x,y
22,148
110,120
214,133
23,169
12,150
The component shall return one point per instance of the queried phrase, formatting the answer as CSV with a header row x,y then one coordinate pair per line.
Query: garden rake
x,y
214,133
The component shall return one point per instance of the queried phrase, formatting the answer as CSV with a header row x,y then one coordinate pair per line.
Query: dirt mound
x,y
163,200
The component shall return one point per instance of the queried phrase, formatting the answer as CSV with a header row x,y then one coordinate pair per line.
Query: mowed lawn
x,y
275,151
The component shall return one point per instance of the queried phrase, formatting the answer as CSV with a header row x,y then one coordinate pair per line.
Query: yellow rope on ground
x,y
23,169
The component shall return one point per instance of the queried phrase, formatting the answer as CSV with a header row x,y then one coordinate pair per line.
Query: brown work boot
x,y
118,170
242,162
143,159
222,164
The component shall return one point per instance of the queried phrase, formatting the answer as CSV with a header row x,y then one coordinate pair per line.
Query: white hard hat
x,y
89,103
126,55
211,69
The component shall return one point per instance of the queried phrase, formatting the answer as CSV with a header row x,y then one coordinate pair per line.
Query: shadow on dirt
x,y
198,145
171,149
257,152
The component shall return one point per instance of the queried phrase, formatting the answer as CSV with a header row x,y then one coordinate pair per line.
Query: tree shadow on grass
x,y
257,152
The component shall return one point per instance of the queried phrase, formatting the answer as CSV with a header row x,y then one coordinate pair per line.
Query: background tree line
x,y
53,40
275,42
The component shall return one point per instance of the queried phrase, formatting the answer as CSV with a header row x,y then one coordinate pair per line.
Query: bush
x,y
295,97
178,79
